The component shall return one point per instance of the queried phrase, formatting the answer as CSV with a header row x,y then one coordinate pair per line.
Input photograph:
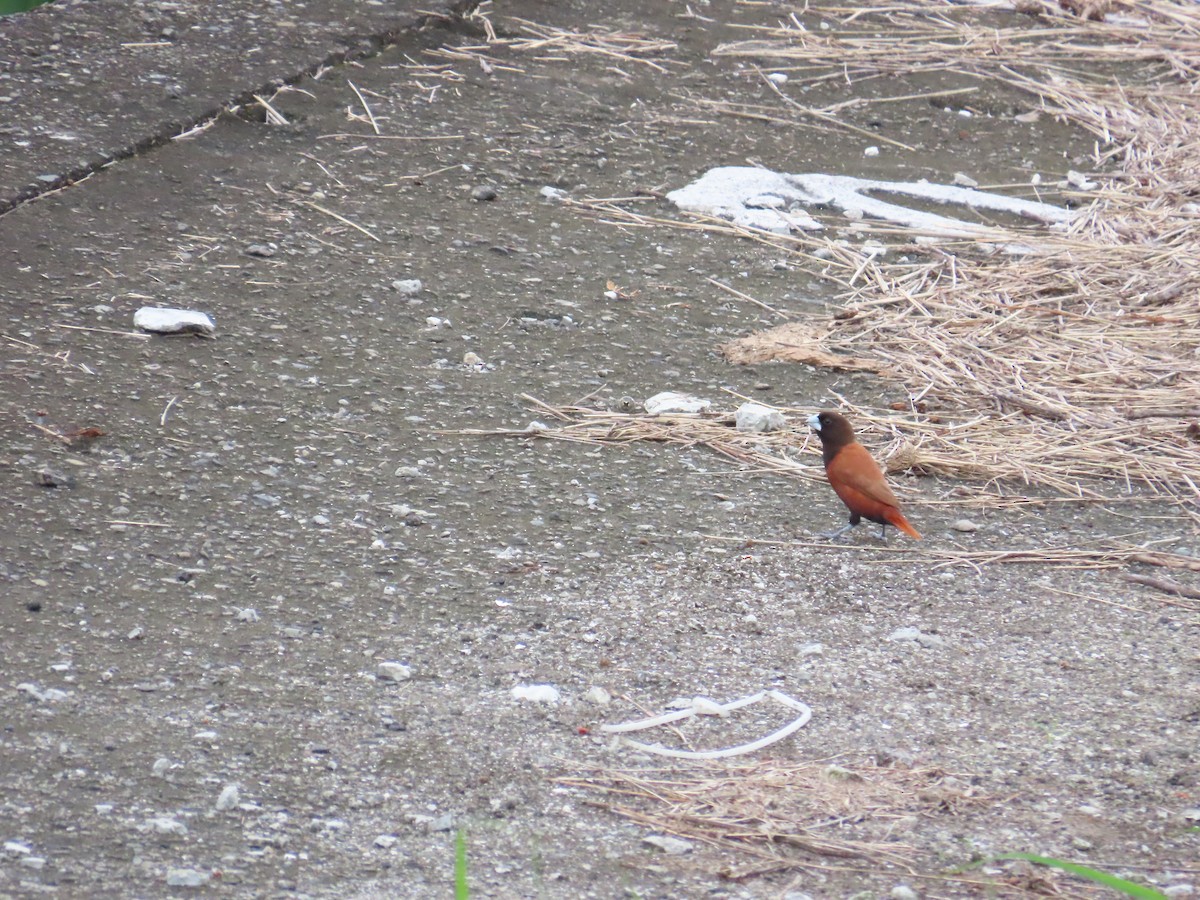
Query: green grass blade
x,y
462,890
1128,888
8,7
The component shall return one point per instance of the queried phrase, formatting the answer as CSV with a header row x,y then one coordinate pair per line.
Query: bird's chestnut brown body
x,y
855,477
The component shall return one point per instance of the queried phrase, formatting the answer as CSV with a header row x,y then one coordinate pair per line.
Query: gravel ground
x,y
198,617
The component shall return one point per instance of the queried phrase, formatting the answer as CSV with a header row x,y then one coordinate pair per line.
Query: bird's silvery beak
x,y
814,422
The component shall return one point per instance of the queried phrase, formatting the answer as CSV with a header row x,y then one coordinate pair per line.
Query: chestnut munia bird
x,y
856,477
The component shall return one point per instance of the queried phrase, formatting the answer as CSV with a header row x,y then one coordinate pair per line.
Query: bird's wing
x,y
854,468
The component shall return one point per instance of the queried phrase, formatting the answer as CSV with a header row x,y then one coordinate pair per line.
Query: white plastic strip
x,y
702,706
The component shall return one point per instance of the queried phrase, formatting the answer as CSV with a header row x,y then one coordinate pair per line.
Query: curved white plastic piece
x,y
704,706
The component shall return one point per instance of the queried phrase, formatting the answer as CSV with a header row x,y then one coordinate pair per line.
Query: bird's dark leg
x,y
855,518
883,532
836,533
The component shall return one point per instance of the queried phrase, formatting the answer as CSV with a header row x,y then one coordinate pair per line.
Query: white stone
x,y
598,695
536,693
706,707
386,841
164,825
407,287
187,878
164,320
393,671
1079,181
229,798
672,845
756,418
871,151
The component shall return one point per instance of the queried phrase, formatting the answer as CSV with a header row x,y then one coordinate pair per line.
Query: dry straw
x,y
784,813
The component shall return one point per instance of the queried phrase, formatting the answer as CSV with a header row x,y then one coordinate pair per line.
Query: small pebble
x,y
229,798
265,251
667,844
903,892
536,693
917,636
964,525
407,287
965,180
484,193
703,706
778,78
52,478
320,520
598,696
187,878
871,151
164,825
1079,181
385,841
393,671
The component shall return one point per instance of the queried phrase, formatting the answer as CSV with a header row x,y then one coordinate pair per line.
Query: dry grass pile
x,y
785,814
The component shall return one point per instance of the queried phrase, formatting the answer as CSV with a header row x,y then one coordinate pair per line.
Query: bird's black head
x,y
833,429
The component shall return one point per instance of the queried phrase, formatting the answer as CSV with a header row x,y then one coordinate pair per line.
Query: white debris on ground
x,y
675,402
162,320
771,201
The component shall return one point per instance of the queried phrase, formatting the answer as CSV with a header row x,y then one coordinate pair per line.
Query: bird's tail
x,y
896,518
